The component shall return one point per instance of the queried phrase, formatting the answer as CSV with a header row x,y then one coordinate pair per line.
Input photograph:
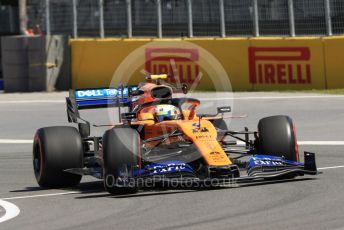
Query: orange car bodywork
x,y
201,132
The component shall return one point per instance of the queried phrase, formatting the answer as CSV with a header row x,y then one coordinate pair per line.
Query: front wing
x,y
259,168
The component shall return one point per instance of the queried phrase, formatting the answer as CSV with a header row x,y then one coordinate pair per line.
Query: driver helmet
x,y
166,112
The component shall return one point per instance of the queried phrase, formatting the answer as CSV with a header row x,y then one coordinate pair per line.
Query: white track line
x,y
331,167
32,101
41,195
319,143
13,141
311,143
11,211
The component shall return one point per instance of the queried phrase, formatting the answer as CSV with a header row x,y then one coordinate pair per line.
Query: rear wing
x,y
97,98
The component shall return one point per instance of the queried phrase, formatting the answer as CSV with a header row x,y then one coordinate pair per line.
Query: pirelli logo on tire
x,y
279,65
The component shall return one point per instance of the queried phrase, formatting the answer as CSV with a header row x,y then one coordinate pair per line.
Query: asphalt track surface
x,y
305,203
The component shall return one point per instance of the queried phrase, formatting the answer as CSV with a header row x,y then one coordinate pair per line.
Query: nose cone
x,y
204,136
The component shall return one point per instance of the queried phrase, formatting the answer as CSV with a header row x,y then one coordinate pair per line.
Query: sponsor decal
x,y
198,129
204,136
268,162
175,62
217,156
202,130
279,65
258,162
195,125
101,93
172,166
95,93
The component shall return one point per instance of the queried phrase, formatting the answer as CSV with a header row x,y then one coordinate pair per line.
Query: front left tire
x,y
121,151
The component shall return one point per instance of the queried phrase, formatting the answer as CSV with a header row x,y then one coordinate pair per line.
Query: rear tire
x,y
54,150
277,137
121,149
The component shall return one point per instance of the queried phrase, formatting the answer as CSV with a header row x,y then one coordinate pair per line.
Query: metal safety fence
x,y
186,18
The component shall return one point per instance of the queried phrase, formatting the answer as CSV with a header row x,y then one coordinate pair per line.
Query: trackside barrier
x,y
334,61
250,63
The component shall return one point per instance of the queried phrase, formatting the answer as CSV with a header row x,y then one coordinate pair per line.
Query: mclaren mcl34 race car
x,y
161,138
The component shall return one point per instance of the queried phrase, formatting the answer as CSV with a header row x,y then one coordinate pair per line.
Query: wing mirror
x,y
224,109
128,116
